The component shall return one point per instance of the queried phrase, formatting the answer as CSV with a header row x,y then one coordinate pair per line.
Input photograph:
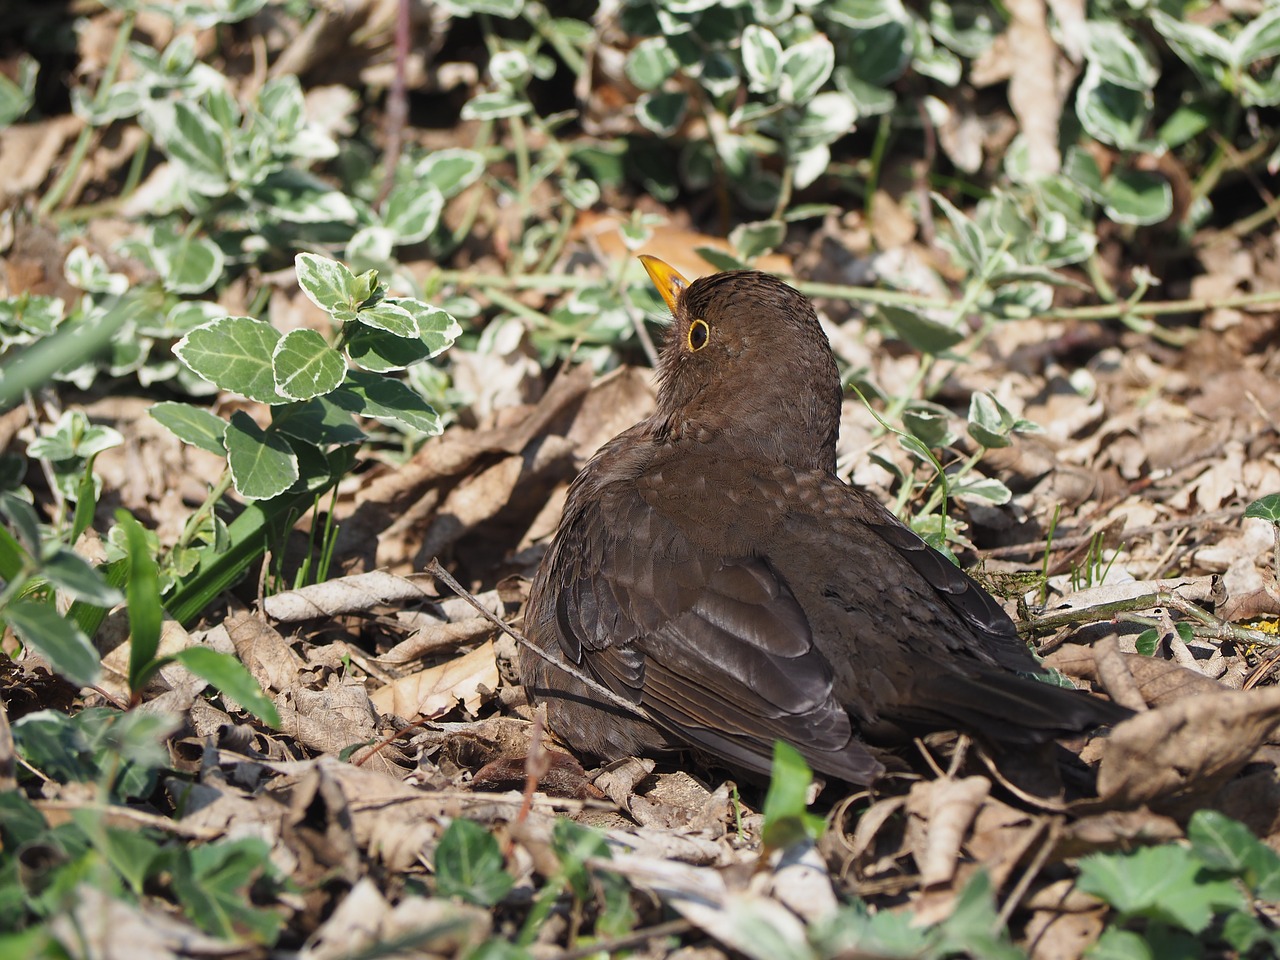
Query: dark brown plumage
x,y
711,568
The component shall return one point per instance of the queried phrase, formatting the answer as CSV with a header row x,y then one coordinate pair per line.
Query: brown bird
x,y
713,571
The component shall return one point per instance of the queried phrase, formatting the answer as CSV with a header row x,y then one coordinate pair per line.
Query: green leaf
x,y
1265,508
190,265
145,612
229,676
191,424
389,316
412,211
213,883
662,113
751,240
987,489
720,259
33,313
494,106
1227,844
234,353
295,196
450,171
1147,642
1111,113
930,423
1138,196
437,327
383,352
469,865
262,463
974,929
305,366
650,62
806,66
196,140
968,240
786,817
387,400
507,9
75,577
1117,57
583,194
1168,883
328,284
1259,40
919,330
761,58
17,98
24,519
826,118
59,641
990,423
320,422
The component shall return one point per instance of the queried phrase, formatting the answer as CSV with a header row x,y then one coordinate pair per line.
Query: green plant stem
x,y
876,159
538,18
81,149
523,180
206,508
1207,625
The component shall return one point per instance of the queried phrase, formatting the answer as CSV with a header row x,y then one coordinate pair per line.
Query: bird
x,y
720,587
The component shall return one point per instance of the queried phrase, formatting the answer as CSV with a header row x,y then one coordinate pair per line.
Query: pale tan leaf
x,y
430,693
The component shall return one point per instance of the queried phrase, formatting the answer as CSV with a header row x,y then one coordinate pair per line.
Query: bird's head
x,y
745,360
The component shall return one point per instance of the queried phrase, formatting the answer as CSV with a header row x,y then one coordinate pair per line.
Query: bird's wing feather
x,y
717,650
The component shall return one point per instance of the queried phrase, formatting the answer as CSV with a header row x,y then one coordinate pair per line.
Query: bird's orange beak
x,y
666,278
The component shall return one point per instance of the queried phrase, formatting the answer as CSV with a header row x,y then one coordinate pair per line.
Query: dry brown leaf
x,y
364,923
98,924
431,693
945,809
333,719
1173,756
267,655
1159,681
432,638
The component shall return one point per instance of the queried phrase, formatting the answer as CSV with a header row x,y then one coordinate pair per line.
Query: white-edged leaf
x,y
233,353
191,424
305,366
412,211
328,284
452,170
387,400
262,463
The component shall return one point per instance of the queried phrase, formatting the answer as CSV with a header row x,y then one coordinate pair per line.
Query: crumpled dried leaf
x,y
98,924
1173,756
364,921
433,692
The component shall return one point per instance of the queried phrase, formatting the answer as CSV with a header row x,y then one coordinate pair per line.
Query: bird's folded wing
x,y
717,650
958,590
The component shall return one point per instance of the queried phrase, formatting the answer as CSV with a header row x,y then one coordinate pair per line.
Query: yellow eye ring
x,y
699,334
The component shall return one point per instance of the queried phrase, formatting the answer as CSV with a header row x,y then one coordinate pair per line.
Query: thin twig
x,y
672,928
1052,828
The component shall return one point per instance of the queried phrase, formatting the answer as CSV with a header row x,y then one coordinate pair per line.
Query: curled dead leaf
x,y
1175,755
431,693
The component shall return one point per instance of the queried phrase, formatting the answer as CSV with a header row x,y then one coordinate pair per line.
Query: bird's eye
x,y
699,334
